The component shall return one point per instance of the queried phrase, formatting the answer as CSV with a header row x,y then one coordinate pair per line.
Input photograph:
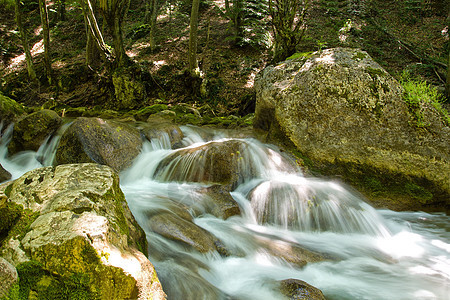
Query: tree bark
x,y
24,39
46,34
95,44
193,31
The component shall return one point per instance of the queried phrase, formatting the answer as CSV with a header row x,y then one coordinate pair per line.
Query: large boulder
x,y
10,110
78,236
31,131
221,162
344,112
102,141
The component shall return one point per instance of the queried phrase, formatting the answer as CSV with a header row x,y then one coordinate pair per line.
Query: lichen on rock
x,y
83,228
343,111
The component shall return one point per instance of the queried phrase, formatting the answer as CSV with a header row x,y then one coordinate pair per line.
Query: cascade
x,y
284,224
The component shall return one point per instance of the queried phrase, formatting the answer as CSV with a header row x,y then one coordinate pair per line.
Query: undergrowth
x,y
419,95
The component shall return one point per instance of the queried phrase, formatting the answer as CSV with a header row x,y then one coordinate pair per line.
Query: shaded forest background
x,y
405,37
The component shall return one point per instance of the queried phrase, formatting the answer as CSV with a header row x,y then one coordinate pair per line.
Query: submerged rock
x,y
82,236
219,202
102,141
343,111
214,162
31,131
175,228
296,289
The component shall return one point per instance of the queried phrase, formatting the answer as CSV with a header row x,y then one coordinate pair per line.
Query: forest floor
x,y
398,37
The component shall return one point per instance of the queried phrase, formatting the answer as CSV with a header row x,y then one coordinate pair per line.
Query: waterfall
x,y
283,224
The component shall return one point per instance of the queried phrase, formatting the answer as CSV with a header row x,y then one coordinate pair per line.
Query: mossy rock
x,y
296,289
102,141
83,241
31,131
10,212
339,108
10,110
144,113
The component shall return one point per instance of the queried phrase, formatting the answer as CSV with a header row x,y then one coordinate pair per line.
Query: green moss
x,y
22,225
419,193
303,55
374,72
38,283
13,293
359,56
10,212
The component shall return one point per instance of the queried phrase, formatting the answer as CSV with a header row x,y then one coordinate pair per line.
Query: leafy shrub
x,y
419,96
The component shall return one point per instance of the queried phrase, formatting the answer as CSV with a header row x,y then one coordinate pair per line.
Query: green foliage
x,y
304,55
419,96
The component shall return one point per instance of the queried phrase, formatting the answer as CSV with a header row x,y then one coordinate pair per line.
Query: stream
x,y
370,253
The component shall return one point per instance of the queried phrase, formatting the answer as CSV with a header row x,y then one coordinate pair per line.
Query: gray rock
x,y
102,141
83,226
175,228
4,174
343,111
31,131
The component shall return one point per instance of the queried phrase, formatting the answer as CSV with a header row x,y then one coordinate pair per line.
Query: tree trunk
x,y
24,39
62,10
154,16
46,34
193,64
447,83
119,49
95,44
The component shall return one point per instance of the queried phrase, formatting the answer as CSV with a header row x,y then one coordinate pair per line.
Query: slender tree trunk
x,y
62,10
24,39
154,16
193,64
95,44
46,33
447,84
119,49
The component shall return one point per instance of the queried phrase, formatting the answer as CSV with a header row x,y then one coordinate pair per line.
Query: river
x,y
370,253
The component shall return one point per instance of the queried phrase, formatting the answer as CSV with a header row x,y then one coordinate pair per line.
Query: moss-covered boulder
x,y
82,237
184,231
105,142
10,110
31,131
296,289
4,174
345,113
221,162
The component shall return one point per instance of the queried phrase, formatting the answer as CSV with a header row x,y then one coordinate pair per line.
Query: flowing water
x,y
370,254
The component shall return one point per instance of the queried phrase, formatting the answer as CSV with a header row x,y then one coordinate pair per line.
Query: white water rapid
x,y
369,253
